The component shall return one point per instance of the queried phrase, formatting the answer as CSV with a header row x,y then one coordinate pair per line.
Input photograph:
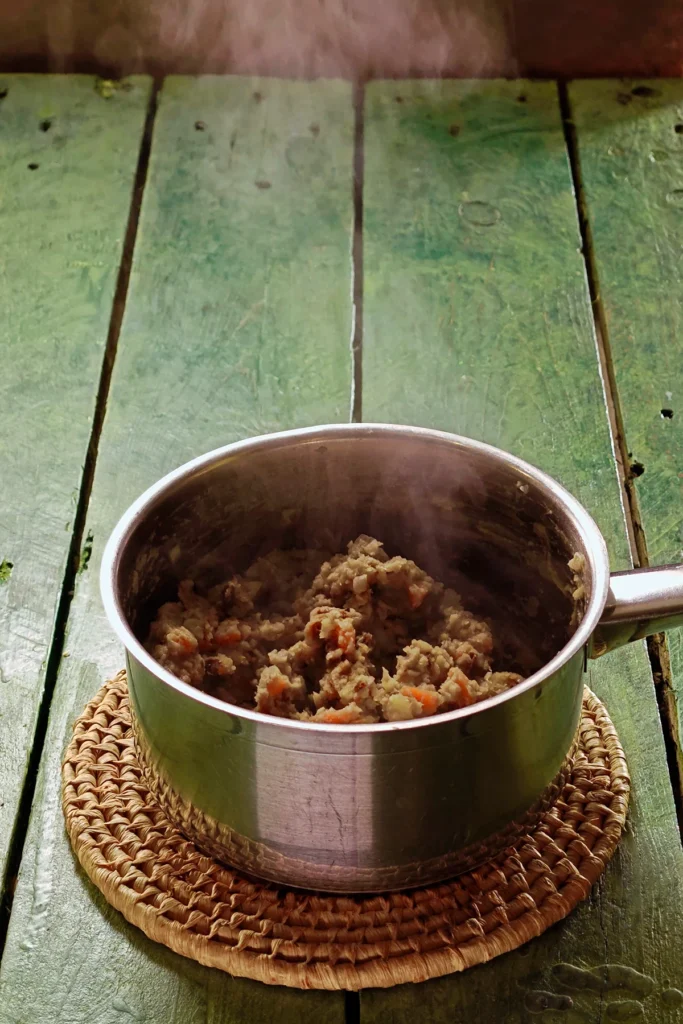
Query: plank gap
x,y
120,296
358,175
660,663
73,564
656,645
619,447
351,1008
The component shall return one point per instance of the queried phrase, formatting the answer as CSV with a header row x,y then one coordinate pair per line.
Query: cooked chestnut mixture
x,y
359,637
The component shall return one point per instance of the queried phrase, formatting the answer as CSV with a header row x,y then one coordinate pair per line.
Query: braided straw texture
x,y
180,897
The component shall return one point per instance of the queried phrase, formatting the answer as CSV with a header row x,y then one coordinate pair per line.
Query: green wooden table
x,y
179,268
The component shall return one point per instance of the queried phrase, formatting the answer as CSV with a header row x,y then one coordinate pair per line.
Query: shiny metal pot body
x,y
373,807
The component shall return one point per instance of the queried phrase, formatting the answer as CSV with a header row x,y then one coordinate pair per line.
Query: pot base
x,y
165,885
261,862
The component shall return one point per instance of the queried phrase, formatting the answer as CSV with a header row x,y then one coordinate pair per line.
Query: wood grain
x,y
238,321
631,152
67,165
477,319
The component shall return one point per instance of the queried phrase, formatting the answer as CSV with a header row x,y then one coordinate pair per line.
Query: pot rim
x,y
595,552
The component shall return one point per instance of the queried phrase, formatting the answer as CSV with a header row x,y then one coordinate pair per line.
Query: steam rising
x,y
355,39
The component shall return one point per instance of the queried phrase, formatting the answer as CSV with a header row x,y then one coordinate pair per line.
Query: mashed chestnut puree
x,y
356,638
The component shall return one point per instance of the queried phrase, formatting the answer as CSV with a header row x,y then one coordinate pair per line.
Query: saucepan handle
x,y
640,602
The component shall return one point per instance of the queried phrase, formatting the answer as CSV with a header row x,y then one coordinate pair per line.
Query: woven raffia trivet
x,y
178,896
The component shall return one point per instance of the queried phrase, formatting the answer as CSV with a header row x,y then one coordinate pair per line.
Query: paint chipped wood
x,y
238,321
477,319
67,167
630,140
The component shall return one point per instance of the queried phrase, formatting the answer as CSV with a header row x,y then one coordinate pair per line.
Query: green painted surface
x,y
631,153
477,319
238,321
67,166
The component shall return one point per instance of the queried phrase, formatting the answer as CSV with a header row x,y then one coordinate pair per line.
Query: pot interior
x,y
466,514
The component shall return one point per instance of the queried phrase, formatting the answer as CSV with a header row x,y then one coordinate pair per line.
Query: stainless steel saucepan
x,y
374,807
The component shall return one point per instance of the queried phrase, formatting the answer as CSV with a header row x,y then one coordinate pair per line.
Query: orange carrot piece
x,y
346,640
277,686
416,595
427,698
187,644
341,717
226,639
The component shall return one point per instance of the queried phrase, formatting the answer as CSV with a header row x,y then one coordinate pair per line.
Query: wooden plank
x,y
238,321
477,319
630,146
67,166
